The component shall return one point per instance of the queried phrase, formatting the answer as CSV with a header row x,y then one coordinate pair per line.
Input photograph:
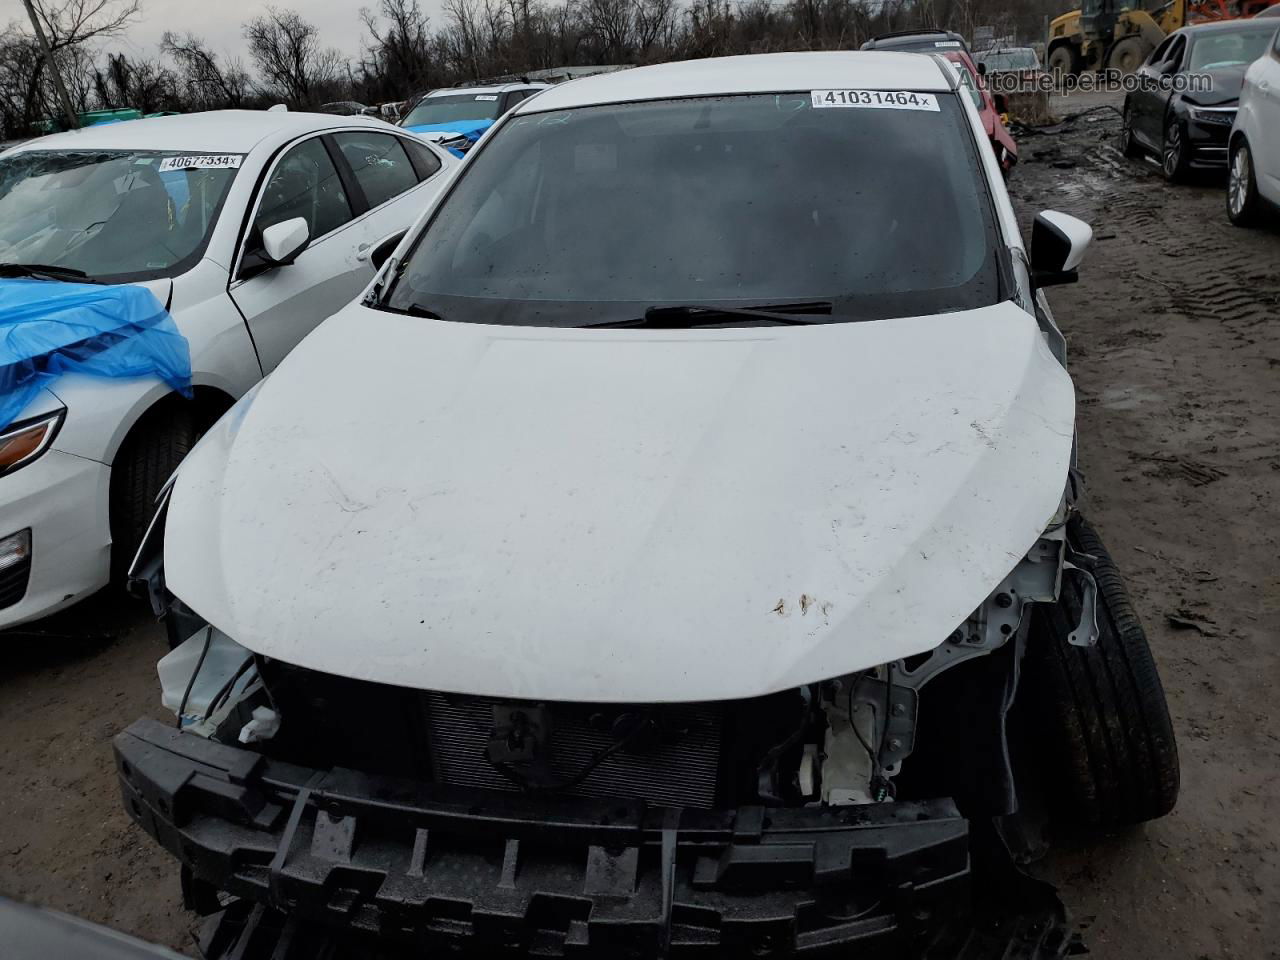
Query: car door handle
x,y
364,251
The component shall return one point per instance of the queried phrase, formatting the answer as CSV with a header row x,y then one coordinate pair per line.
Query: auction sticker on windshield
x,y
224,161
876,99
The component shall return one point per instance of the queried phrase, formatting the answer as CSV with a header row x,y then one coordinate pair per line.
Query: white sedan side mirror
x,y
1058,244
282,242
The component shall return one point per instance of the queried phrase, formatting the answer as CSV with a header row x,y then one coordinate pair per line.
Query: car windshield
x,y
595,214
113,215
1231,48
452,108
1007,61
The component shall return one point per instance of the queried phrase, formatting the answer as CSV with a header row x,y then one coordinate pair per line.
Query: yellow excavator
x,y
1120,34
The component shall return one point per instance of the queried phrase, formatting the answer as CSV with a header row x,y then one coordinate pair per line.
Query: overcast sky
x,y
218,21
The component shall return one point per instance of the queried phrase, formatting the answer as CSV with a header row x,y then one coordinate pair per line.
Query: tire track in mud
x,y
1131,198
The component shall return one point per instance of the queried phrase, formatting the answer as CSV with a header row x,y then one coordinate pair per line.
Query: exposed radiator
x,y
680,771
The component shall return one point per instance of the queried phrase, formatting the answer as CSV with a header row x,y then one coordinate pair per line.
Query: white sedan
x,y
1253,162
250,228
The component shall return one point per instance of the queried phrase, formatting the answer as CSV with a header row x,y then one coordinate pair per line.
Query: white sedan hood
x,y
622,515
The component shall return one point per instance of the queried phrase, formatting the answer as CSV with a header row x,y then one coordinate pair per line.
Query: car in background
x,y
990,110
518,639
952,46
917,41
344,108
1253,164
1188,129
249,227
463,114
1016,60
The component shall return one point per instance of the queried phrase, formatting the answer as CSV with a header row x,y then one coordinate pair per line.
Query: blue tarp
x,y
48,328
471,129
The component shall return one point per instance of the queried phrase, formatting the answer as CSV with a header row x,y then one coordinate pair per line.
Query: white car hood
x,y
622,515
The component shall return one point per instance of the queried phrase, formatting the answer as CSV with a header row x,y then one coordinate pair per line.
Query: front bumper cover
x,y
442,867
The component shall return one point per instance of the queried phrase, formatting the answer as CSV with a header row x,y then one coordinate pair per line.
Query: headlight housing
x,y
24,441
1223,115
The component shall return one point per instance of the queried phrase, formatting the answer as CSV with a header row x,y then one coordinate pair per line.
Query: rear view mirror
x,y
282,242
1058,244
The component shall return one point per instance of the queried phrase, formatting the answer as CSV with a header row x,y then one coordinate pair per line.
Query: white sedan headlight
x,y
24,441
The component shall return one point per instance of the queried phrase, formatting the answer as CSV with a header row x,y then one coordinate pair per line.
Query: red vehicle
x,y
952,46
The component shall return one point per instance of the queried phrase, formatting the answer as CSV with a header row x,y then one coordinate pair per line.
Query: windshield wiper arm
x,y
684,315
49,271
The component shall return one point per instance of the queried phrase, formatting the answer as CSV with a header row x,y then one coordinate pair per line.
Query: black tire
x,y
1128,144
1175,155
1244,206
147,458
1128,55
1112,756
1064,59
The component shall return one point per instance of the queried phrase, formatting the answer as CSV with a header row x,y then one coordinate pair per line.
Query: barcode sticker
x,y
875,99
202,161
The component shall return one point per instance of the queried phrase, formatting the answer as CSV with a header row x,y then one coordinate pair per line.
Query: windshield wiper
x,y
685,315
412,310
47,271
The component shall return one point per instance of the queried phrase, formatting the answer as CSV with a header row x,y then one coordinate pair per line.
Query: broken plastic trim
x,y
420,862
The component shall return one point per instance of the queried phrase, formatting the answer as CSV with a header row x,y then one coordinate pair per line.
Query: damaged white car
x,y
690,559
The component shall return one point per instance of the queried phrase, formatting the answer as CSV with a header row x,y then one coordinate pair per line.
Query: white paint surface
x,y
622,515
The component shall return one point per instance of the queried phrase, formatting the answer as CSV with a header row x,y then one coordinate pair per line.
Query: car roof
x,y
1227,26
912,39
214,131
757,73
489,88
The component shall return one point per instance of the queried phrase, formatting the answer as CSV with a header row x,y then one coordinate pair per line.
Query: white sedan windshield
x,y
110,214
599,213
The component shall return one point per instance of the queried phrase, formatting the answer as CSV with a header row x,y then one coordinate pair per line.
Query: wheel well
x,y
206,405
1237,137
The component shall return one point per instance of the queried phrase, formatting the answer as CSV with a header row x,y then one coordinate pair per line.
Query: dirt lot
x,y
1175,348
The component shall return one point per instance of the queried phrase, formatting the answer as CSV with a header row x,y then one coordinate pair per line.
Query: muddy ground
x,y
1175,348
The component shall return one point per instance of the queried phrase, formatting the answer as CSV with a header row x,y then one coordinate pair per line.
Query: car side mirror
x,y
282,242
982,69
1058,244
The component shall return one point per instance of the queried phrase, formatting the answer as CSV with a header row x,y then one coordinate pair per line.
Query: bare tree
x,y
402,48
654,24
460,40
292,65
610,21
209,84
146,85
68,26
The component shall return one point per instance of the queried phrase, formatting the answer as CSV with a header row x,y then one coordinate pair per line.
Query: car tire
x,y
1244,206
145,461
1112,757
1128,144
1174,162
1064,59
1128,55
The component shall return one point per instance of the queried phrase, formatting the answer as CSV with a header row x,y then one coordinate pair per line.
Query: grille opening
x,y
706,755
